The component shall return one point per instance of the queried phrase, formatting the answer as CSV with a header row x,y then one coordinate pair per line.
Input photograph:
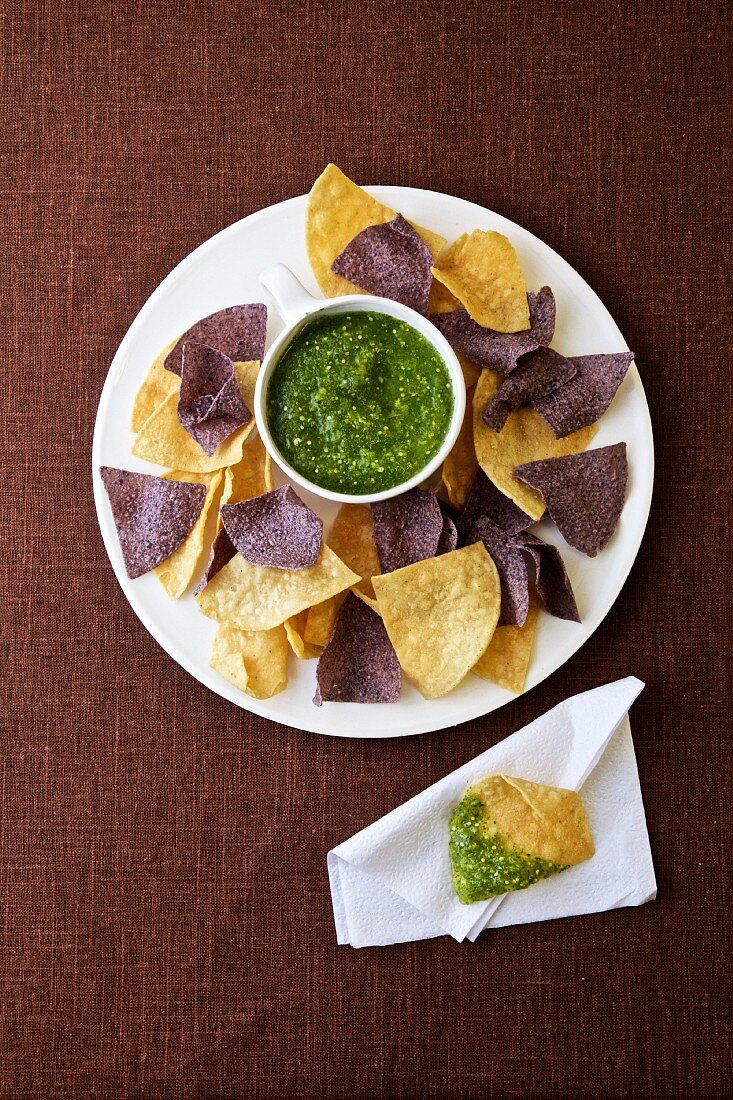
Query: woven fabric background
x,y
164,910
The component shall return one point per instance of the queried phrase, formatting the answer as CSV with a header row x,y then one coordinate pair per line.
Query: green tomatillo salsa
x,y
483,863
359,402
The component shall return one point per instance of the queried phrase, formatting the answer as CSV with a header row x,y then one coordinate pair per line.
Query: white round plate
x,y
223,272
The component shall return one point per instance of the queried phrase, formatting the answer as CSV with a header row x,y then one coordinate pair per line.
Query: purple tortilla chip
x,y
210,406
153,516
541,372
359,664
485,500
448,537
407,529
275,529
222,551
584,493
391,260
238,331
551,578
585,397
512,568
499,350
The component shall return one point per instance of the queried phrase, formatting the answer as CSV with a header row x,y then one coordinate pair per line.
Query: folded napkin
x,y
392,881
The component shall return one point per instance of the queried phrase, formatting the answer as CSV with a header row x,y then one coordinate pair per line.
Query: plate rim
x,y
170,647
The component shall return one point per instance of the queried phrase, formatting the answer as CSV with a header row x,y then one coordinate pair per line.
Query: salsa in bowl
x,y
357,402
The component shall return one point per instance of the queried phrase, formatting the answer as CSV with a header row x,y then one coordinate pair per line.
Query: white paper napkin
x,y
392,881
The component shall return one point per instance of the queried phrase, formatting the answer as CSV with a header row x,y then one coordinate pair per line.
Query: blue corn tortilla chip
x,y
407,529
511,567
152,516
222,551
485,500
499,350
550,578
390,260
584,398
210,406
238,331
275,529
541,372
448,537
584,493
359,664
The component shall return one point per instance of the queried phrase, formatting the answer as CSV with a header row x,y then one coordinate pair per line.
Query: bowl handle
x,y
290,296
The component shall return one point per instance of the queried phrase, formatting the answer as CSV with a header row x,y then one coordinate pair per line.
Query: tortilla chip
x,y
441,300
506,834
440,615
546,822
390,260
509,561
486,502
482,270
498,350
540,373
295,630
164,440
471,372
461,464
251,476
448,536
505,661
407,528
276,529
255,597
239,332
255,661
152,516
524,438
222,551
586,396
359,664
177,571
352,538
321,619
210,406
337,211
584,494
551,578
159,383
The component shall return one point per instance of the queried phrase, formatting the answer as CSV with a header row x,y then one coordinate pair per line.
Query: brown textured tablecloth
x,y
164,910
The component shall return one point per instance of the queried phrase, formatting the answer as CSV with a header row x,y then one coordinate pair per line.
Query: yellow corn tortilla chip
x,y
482,270
545,822
506,658
159,383
459,468
441,300
164,440
295,630
524,438
257,597
177,571
255,661
337,210
321,618
251,476
440,615
471,372
352,538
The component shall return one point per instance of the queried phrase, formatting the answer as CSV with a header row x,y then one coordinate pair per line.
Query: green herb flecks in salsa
x,y
482,863
359,402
